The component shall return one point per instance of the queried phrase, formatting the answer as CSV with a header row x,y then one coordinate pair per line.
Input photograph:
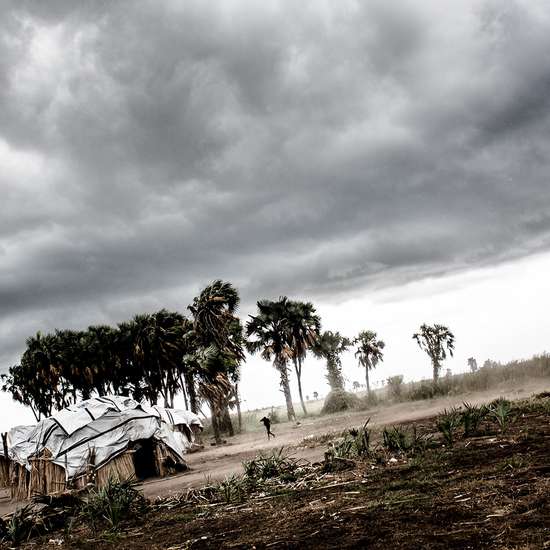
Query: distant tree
x,y
436,341
267,334
330,346
449,373
395,386
369,352
356,385
490,364
315,395
472,363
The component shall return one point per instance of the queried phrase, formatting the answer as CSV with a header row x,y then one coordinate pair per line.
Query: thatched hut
x,y
96,440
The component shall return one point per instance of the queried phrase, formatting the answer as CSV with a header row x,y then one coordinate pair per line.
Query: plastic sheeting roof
x,y
103,425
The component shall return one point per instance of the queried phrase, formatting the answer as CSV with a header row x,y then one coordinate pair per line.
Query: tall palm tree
x,y
436,341
271,339
219,342
330,346
369,352
304,327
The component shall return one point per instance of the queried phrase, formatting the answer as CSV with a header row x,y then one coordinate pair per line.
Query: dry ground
x,y
489,491
219,462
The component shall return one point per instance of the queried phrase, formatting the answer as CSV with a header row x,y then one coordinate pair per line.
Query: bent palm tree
x,y
329,346
369,352
270,329
218,336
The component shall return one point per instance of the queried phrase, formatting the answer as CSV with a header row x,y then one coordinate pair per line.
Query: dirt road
x,y
218,462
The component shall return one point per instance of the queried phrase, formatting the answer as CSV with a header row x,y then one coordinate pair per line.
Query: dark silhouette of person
x,y
267,423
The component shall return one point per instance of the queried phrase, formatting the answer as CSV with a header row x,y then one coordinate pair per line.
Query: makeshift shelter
x,y
98,439
4,470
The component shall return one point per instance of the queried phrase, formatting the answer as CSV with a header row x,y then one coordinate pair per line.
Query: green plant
x,y
277,464
398,439
19,526
112,504
354,443
448,423
394,439
232,489
500,411
339,400
471,417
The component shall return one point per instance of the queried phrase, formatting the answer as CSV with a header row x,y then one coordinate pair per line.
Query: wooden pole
x,y
6,455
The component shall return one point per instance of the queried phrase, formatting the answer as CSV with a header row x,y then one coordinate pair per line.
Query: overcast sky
x,y
387,160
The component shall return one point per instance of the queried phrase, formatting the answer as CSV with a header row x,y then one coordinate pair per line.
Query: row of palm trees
x,y
157,356
285,330
153,356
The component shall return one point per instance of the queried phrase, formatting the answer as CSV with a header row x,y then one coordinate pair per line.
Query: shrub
x,y
277,464
448,423
500,411
339,400
111,504
395,386
471,417
355,443
368,401
19,527
399,439
233,489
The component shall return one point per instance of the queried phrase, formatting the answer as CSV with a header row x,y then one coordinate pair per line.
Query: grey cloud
x,y
292,149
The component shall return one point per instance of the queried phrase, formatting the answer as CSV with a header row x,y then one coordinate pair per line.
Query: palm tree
x,y
369,352
217,333
436,341
329,346
271,331
472,363
304,327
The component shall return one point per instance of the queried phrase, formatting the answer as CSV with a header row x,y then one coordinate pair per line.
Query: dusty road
x,y
219,462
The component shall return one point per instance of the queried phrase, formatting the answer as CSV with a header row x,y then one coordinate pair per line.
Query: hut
x,y
99,439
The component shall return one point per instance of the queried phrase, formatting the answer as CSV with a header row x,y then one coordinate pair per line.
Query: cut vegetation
x,y
402,487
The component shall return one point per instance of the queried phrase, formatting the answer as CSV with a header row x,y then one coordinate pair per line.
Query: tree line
x,y
160,355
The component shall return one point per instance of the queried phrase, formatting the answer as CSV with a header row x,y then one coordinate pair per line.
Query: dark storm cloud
x,y
305,149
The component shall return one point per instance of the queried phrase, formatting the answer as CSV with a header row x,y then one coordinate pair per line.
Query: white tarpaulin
x,y
104,427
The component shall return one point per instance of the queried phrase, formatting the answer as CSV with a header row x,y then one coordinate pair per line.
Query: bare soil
x,y
216,463
490,491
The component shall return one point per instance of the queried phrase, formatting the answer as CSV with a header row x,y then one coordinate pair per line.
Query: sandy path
x,y
219,462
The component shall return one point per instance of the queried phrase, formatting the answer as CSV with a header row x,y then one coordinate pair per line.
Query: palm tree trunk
x,y
285,385
225,421
367,379
190,383
182,386
215,423
436,367
298,369
238,404
6,455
